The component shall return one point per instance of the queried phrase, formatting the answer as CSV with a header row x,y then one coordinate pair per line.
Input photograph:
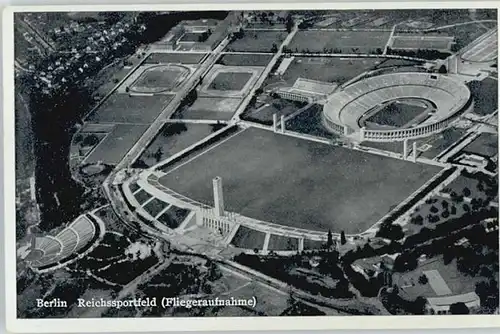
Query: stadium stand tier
x,y
53,251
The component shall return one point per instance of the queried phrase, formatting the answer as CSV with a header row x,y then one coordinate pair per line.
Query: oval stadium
x,y
396,106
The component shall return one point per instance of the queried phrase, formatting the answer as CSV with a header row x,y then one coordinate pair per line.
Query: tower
x,y
414,153
218,196
405,149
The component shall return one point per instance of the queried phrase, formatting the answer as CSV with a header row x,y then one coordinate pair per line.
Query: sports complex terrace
x,y
298,183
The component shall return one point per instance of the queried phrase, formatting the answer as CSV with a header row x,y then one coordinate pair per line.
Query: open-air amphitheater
x,y
346,108
74,241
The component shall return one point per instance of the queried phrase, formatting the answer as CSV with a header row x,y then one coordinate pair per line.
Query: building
x,y
441,305
306,90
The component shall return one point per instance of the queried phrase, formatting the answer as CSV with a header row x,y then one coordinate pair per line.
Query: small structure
x,y
441,305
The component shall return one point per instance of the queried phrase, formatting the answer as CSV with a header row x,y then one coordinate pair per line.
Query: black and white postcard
x,y
230,166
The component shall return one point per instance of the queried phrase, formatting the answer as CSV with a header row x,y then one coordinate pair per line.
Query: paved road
x,y
264,74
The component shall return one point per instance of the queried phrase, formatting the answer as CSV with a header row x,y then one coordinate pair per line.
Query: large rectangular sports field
x,y
299,183
319,41
328,69
220,108
122,108
247,59
118,142
257,41
230,81
422,42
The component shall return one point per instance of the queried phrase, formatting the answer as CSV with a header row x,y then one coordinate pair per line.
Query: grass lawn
x,y
175,57
346,41
217,108
460,183
278,242
440,141
309,122
264,114
155,206
338,70
248,59
123,108
446,210
257,41
230,81
459,283
321,187
421,42
158,79
114,147
485,145
142,196
191,37
485,94
396,114
248,238
173,217
173,138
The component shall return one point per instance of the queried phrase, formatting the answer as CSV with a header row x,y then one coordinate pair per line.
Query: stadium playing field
x,y
122,108
160,78
119,141
395,114
299,183
320,41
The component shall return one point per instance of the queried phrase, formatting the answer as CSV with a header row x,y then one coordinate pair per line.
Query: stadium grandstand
x,y
52,252
345,109
306,90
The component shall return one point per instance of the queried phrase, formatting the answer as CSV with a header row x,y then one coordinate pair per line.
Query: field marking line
x,y
87,156
203,152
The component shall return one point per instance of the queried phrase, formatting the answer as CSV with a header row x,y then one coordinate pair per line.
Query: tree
x,y
423,279
289,23
274,48
90,140
390,231
433,209
466,208
459,308
329,240
466,192
343,240
417,220
158,154
443,69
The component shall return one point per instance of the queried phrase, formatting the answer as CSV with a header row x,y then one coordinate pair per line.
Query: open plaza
x,y
299,183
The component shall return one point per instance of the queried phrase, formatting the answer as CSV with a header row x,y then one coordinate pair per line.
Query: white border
x,y
193,324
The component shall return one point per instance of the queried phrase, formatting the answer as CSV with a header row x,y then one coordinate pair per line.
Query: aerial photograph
x,y
256,163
